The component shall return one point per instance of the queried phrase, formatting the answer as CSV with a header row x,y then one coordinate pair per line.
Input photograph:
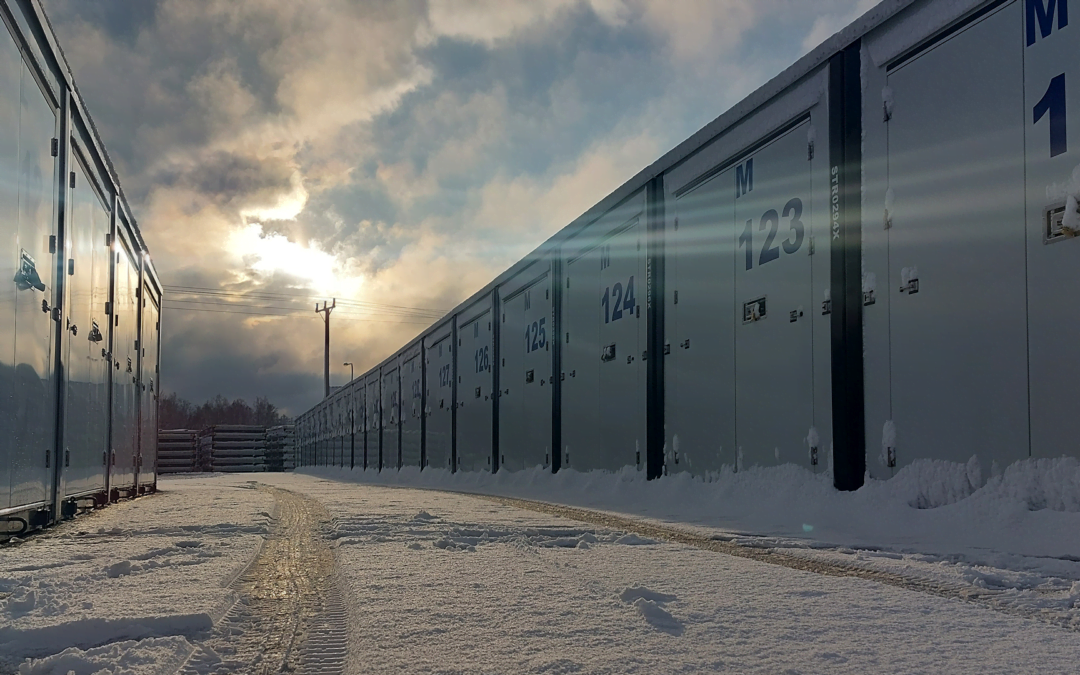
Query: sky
x,y
394,154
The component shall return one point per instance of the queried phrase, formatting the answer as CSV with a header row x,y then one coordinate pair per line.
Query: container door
x,y
374,424
581,361
33,404
411,411
391,437
475,406
535,338
359,410
773,291
150,382
956,248
622,340
512,412
440,402
122,472
1052,89
85,439
10,75
700,361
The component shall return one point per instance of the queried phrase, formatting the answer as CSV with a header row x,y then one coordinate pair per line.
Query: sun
x,y
267,254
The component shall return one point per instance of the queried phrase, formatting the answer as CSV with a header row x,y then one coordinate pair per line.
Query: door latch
x,y
909,280
608,353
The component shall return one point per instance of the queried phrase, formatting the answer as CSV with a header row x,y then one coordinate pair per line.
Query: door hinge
x,y
108,308
52,243
55,147
72,180
108,240
813,246
676,297
676,224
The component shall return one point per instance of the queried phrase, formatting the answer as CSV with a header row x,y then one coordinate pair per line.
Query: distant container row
x,y
226,448
80,312
869,261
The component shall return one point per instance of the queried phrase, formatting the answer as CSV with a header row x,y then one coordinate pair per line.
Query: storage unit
x,y
412,405
149,377
391,415
439,404
526,368
475,387
373,426
868,262
603,400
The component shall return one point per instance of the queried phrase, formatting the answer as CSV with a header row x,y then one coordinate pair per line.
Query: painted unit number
x,y
535,336
770,222
481,359
616,301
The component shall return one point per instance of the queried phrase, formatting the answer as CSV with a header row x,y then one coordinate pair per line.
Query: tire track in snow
x,y
1062,617
290,616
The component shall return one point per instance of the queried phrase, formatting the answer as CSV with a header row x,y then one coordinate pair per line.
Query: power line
x,y
197,290
291,314
240,305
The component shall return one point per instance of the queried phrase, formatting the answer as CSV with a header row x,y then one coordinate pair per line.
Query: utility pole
x,y
325,311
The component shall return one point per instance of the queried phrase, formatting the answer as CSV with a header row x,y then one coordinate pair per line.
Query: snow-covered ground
x,y
440,582
129,585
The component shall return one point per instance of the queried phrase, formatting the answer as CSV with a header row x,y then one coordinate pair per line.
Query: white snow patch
x,y
153,655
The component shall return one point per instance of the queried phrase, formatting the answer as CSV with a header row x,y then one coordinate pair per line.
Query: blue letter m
x,y
1045,16
744,178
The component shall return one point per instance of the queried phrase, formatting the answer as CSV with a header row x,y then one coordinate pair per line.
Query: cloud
x,y
398,153
827,25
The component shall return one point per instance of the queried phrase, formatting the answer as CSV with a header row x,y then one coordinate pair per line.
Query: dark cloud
x,y
417,146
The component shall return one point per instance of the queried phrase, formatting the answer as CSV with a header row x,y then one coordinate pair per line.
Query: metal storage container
x,y
475,387
373,428
604,393
439,402
412,405
525,368
391,421
149,354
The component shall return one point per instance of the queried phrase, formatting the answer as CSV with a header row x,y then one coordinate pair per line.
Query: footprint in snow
x,y
649,604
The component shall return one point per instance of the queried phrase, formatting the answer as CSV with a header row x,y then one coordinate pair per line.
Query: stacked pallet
x,y
280,448
235,448
178,451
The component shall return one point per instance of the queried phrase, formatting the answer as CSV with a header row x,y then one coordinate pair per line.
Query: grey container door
x,y
622,319
10,76
512,412
536,339
149,388
358,411
581,361
391,405
956,248
525,378
1052,109
85,414
774,306
475,406
374,420
700,368
33,432
440,402
411,400
124,429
